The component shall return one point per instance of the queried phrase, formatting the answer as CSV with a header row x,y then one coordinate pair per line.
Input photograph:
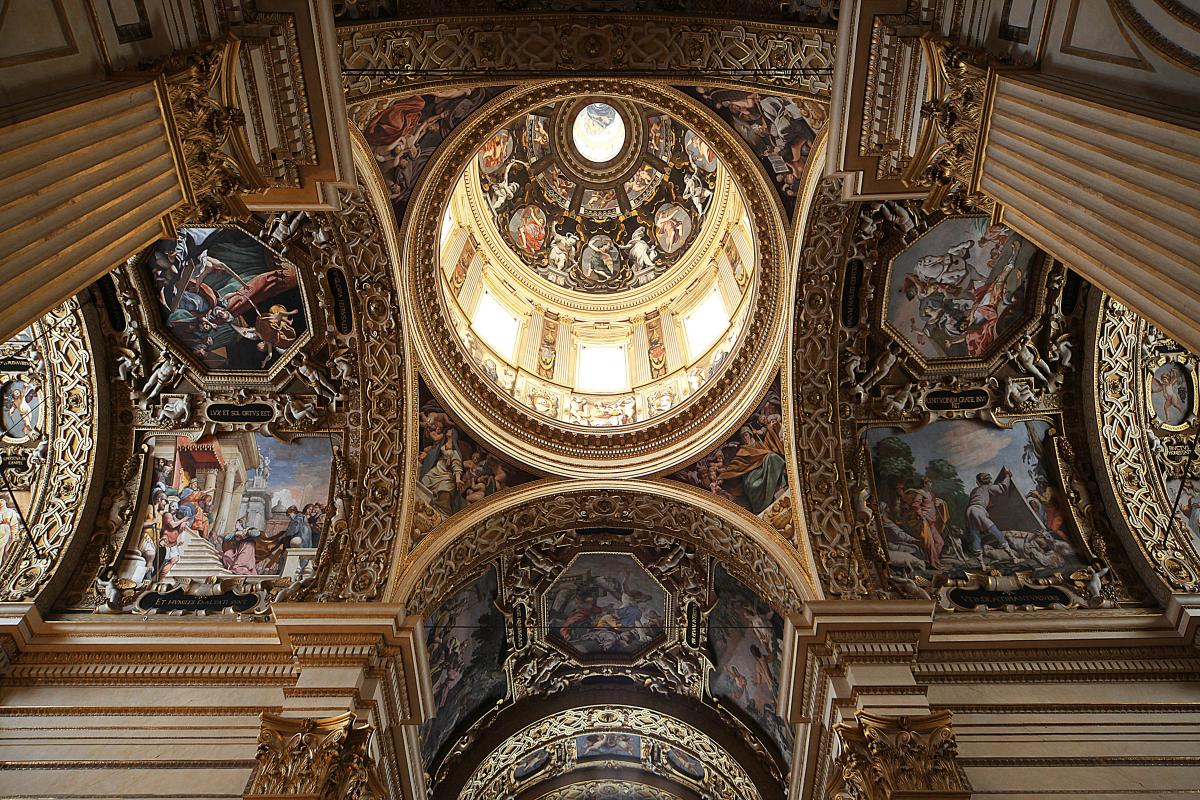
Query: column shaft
x,y
85,179
1108,184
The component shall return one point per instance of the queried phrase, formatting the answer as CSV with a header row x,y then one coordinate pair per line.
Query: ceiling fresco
x,y
779,129
533,381
598,222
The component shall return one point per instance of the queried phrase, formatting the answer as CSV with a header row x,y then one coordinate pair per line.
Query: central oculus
x,y
598,132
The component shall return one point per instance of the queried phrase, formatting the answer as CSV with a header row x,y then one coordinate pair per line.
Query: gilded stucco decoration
x,y
1143,412
648,737
52,432
752,553
940,345
243,357
685,430
793,59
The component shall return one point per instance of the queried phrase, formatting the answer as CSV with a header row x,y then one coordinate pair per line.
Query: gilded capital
x,y
894,757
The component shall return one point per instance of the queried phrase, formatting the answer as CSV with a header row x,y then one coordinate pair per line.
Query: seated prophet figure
x,y
760,465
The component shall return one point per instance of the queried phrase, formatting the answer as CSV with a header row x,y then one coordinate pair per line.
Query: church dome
x,y
599,267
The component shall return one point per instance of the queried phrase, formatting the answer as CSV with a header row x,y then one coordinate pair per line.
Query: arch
x,y
749,549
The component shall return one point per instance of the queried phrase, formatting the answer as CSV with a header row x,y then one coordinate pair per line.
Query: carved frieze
x,y
406,55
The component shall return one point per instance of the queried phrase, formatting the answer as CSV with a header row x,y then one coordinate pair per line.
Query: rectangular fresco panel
x,y
626,746
750,469
960,287
746,637
225,298
234,504
465,641
774,126
452,470
963,494
405,134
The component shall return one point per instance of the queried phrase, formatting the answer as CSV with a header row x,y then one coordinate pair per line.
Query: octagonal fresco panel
x,y
605,604
226,299
960,288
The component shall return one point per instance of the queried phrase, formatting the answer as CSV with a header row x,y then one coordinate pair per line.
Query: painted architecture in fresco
x,y
750,468
605,604
465,641
405,134
610,744
963,494
746,637
234,504
225,298
452,470
960,288
774,126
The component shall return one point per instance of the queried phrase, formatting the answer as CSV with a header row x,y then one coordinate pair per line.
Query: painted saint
x,y
495,151
749,469
672,226
700,152
527,227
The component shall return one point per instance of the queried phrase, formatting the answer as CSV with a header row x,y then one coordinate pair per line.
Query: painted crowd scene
x,y
234,504
606,604
964,495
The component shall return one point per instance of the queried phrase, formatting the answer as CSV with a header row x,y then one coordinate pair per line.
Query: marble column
x,y
85,178
1107,183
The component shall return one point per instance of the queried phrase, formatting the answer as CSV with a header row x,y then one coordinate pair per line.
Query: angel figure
x,y
695,190
503,190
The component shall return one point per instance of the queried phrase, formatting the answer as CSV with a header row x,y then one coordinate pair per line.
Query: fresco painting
x,y
531,764
20,410
605,604
750,468
234,504
608,745
404,135
1172,394
775,128
452,470
960,288
963,494
746,637
1188,510
686,763
465,641
225,298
